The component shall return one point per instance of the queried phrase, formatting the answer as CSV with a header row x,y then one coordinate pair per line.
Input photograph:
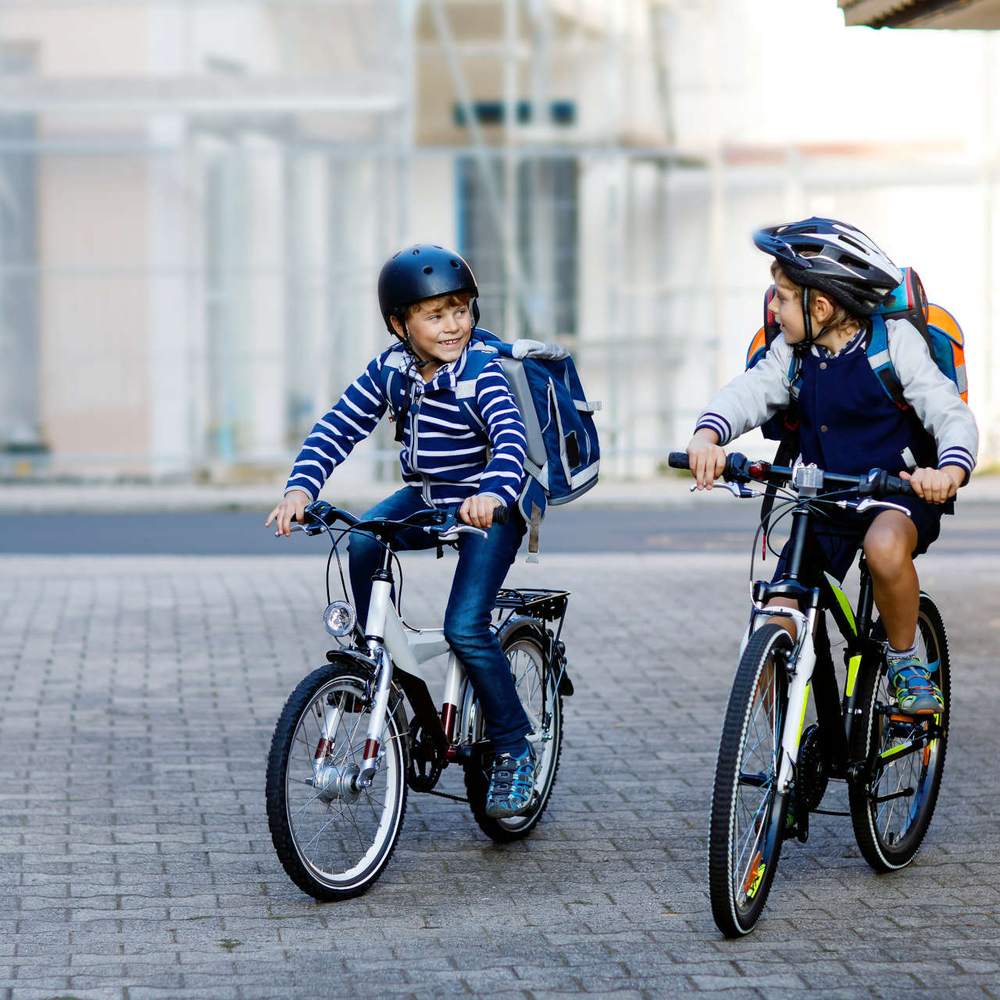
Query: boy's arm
x,y
752,398
504,472
935,400
350,420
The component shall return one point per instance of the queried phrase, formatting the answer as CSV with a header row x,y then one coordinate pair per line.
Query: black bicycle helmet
x,y
835,258
420,272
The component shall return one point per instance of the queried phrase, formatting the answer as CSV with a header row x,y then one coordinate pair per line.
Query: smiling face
x,y
786,308
438,329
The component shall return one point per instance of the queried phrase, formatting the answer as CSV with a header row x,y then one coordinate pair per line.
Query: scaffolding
x,y
200,193
196,197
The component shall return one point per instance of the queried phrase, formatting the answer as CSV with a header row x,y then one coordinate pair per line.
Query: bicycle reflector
x,y
339,619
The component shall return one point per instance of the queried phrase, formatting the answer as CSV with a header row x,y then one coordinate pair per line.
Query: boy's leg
x,y
482,566
890,544
364,552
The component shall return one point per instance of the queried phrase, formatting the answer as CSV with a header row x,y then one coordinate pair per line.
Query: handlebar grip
x,y
678,460
501,515
879,484
899,487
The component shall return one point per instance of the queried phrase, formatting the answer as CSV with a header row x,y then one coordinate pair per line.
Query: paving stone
x,y
137,700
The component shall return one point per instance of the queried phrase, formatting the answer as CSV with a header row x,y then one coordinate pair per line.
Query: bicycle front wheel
x,y
892,807
745,830
524,645
334,838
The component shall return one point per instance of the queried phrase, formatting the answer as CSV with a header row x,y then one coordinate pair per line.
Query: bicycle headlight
x,y
339,619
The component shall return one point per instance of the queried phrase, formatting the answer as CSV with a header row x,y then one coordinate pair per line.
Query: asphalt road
x,y
722,526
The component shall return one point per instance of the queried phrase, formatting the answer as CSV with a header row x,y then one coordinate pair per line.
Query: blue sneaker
x,y
511,784
916,693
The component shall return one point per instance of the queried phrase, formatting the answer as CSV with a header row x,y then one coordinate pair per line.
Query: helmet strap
x,y
806,318
417,363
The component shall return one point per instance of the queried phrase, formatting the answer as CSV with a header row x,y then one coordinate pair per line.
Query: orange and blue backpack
x,y
937,326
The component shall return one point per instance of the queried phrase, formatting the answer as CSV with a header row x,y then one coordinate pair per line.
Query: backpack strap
x,y
476,359
881,364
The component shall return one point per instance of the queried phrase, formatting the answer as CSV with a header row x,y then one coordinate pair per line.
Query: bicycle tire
x,y
888,833
524,645
334,843
745,829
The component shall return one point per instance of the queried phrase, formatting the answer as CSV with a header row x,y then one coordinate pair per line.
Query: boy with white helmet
x,y
829,279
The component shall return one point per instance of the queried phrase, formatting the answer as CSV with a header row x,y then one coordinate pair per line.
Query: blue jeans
x,y
482,566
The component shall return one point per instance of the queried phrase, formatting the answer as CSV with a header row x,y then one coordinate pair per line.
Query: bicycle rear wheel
x,y
892,808
334,839
746,829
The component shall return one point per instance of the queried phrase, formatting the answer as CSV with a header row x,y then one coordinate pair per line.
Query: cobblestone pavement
x,y
137,699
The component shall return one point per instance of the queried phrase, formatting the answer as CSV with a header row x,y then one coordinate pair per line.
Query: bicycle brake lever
x,y
737,489
451,535
869,502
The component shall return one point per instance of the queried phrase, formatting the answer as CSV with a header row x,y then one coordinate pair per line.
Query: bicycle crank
x,y
425,767
813,771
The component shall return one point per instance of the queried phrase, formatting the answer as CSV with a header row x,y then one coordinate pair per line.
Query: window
x,y
546,239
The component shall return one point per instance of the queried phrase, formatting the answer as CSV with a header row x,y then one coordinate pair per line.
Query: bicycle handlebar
x,y
321,515
739,469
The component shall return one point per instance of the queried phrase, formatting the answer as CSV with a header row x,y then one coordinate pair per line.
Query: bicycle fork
x,y
802,661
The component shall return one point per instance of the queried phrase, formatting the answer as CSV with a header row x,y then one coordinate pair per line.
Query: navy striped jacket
x,y
441,455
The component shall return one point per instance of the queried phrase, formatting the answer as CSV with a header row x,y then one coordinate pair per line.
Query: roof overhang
x,y
922,13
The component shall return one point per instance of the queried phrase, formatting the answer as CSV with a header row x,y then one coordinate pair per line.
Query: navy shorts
x,y
841,534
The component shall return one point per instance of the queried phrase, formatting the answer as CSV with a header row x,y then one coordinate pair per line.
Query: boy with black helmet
x,y
829,279
427,296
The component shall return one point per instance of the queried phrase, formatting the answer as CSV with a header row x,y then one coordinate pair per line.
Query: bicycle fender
x,y
348,656
565,688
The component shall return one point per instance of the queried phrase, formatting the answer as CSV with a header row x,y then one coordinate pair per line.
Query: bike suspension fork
x,y
382,683
380,705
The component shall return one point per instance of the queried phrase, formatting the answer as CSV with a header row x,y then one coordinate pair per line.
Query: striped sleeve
x,y
504,473
350,420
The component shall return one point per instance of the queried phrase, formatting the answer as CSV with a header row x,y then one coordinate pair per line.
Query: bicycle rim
x,y
746,828
892,809
333,838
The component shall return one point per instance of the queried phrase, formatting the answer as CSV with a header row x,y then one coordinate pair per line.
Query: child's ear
x,y
397,326
822,307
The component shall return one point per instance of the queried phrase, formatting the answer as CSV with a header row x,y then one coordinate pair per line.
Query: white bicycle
x,y
361,730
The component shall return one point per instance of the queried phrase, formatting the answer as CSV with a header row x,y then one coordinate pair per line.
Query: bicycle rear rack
x,y
547,605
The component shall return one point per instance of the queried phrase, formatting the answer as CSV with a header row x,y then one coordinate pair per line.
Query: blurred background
x,y
196,197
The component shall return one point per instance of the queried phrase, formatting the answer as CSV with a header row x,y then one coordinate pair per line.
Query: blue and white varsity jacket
x,y
848,424
441,454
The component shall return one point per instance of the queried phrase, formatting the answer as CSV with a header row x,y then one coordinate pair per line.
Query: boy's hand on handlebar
x,y
935,485
477,510
706,459
291,508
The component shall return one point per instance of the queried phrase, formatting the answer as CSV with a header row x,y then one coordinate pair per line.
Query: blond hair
x,y
459,298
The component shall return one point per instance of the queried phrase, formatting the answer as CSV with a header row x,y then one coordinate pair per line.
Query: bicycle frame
x,y
396,652
810,661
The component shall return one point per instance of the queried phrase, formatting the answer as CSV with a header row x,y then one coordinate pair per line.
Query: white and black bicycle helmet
x,y
834,258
